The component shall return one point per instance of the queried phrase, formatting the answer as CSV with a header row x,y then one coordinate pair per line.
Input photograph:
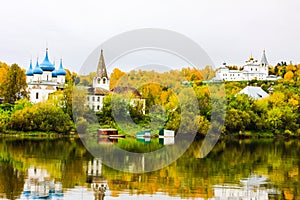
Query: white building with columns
x,y
252,70
44,79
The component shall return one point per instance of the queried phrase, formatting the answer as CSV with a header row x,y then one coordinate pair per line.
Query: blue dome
x,y
29,72
37,69
46,65
54,75
61,70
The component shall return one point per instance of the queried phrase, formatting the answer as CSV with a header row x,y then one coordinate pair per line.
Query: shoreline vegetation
x,y
169,104
52,135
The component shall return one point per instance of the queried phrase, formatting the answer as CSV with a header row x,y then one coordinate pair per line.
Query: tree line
x,y
165,93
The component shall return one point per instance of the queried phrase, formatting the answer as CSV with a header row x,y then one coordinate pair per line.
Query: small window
x,y
37,95
98,80
99,99
104,80
88,98
98,107
93,99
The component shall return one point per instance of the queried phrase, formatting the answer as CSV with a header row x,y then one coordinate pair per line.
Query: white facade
x,y
95,102
44,80
40,92
252,70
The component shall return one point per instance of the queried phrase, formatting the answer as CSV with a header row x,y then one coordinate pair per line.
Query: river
x,y
234,169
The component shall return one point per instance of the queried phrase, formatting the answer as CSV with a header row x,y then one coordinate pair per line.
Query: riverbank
x,y
237,135
37,134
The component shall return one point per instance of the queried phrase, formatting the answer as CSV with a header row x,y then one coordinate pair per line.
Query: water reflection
x,y
245,169
254,187
38,184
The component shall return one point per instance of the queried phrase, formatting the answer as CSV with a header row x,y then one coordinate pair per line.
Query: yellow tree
x,y
3,72
14,84
289,76
115,77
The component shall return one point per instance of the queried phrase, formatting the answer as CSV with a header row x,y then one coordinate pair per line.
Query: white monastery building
x,y
252,70
44,79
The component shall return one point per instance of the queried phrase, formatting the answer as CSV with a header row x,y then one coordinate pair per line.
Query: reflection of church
x,y
94,174
250,188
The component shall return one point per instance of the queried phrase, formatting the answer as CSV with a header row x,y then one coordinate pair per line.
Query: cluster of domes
x,y
46,65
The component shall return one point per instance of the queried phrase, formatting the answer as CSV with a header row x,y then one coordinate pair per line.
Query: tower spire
x,y
264,60
101,68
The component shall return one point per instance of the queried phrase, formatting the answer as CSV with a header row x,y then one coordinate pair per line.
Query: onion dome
x,y
61,71
37,69
46,65
54,74
29,72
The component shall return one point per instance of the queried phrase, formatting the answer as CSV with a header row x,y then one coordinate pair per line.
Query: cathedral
x,y
44,79
252,70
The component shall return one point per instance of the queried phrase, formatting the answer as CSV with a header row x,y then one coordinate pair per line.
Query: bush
x,y
41,117
81,125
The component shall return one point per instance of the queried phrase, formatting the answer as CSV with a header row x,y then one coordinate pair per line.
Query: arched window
x,y
98,80
104,80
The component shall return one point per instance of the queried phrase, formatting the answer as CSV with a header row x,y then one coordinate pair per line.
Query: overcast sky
x,y
228,30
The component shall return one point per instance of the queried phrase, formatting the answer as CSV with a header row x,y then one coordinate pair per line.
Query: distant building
x,y
44,79
252,70
254,92
100,89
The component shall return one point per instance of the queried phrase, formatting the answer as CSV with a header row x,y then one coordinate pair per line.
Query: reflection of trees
x,y
228,162
11,181
64,159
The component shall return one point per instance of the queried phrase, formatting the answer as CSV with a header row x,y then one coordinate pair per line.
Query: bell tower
x,y
101,79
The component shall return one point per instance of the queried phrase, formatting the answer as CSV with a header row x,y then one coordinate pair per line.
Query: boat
x,y
109,133
145,140
166,140
166,133
143,134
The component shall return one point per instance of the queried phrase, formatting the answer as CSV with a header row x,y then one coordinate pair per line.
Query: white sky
x,y
228,30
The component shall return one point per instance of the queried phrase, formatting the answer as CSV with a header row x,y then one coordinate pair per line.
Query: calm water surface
x,y
63,168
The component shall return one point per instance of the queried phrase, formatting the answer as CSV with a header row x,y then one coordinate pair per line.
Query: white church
x,y
252,70
100,89
44,79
